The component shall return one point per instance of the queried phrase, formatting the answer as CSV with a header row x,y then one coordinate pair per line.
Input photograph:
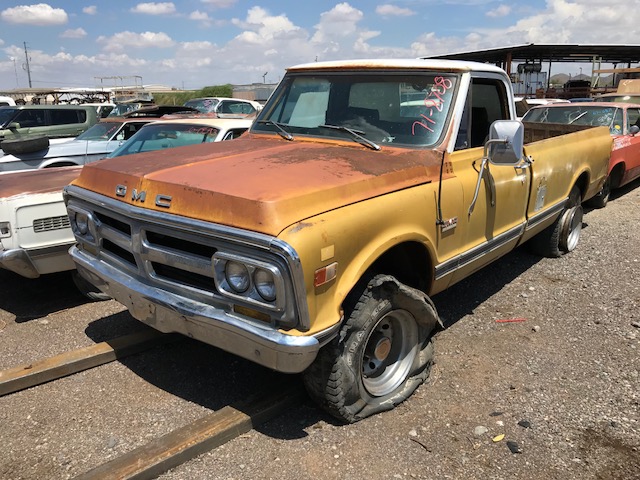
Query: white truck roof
x,y
417,63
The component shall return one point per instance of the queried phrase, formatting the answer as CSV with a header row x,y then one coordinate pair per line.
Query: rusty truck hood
x,y
37,181
259,183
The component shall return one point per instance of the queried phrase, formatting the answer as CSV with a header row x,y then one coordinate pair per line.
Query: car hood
x,y
36,181
259,183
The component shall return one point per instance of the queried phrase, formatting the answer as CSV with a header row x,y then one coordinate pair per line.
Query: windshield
x,y
123,108
593,116
203,105
100,131
160,136
403,109
6,114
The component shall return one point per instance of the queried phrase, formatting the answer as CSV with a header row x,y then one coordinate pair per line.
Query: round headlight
x,y
237,276
265,284
82,223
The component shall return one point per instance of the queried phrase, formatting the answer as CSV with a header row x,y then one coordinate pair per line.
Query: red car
x,y
623,120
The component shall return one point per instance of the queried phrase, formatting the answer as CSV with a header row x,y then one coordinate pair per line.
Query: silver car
x,y
96,143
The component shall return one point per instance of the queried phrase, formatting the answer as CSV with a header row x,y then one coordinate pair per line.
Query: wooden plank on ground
x,y
74,361
205,434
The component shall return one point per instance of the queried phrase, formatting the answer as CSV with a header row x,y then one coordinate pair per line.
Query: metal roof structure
x,y
552,53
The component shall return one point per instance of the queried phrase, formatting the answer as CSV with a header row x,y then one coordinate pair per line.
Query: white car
x,y
34,225
35,234
225,106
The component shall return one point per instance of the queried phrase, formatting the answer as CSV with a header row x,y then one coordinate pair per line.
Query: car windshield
x,y
165,135
6,114
123,108
100,131
403,109
204,105
575,114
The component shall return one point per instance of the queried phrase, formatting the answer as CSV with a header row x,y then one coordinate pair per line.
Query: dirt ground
x,y
537,377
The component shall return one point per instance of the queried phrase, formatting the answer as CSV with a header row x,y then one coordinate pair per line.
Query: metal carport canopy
x,y
560,53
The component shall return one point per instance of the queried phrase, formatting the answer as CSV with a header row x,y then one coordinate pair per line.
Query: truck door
x,y
497,220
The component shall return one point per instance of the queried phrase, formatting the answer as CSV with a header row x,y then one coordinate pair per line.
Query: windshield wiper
x,y
356,134
280,126
579,116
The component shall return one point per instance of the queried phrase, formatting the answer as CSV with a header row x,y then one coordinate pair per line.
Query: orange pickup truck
x,y
314,242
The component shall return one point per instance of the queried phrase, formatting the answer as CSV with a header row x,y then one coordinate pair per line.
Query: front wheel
x,y
383,352
87,289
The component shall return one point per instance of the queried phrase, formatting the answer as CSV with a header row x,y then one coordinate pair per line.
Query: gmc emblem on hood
x,y
161,200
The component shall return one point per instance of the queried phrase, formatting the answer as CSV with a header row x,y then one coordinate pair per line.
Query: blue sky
x,y
195,43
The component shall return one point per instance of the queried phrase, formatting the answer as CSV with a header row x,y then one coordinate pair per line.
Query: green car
x,y
52,121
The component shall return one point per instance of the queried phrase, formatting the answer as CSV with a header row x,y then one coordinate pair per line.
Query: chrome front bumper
x,y
30,263
169,312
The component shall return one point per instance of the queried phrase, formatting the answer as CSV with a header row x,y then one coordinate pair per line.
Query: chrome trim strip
x,y
464,259
549,212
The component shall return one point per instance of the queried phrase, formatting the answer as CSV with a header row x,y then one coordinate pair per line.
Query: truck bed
x,y
534,131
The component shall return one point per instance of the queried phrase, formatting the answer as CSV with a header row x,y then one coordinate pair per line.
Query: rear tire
x,y
383,352
601,199
563,235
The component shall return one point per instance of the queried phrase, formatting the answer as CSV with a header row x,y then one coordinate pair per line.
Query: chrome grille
x,y
51,223
175,254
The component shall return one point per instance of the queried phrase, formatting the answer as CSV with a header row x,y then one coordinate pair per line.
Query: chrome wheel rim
x,y
389,353
573,227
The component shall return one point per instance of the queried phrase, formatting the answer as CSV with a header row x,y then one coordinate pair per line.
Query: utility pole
x,y
26,56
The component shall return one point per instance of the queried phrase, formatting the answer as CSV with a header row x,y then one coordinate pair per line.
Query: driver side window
x,y
486,103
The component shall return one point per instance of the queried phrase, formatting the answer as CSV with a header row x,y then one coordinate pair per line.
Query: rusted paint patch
x,y
37,181
263,184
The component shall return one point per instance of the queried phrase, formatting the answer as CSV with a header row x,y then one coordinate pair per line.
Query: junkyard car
x,y
34,226
622,120
182,132
225,106
94,144
47,120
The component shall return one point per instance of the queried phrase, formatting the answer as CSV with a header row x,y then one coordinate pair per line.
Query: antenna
x,y
26,66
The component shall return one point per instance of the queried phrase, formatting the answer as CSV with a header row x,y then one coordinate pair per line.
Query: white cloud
x,y
389,10
90,10
202,17
341,21
164,8
219,3
265,26
124,40
199,16
40,14
501,11
75,33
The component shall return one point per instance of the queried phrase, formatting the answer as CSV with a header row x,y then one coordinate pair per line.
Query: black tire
x,y
601,199
382,353
561,236
87,289
22,145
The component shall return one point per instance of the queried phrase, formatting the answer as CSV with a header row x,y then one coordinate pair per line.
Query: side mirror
x,y
506,141
633,129
13,126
